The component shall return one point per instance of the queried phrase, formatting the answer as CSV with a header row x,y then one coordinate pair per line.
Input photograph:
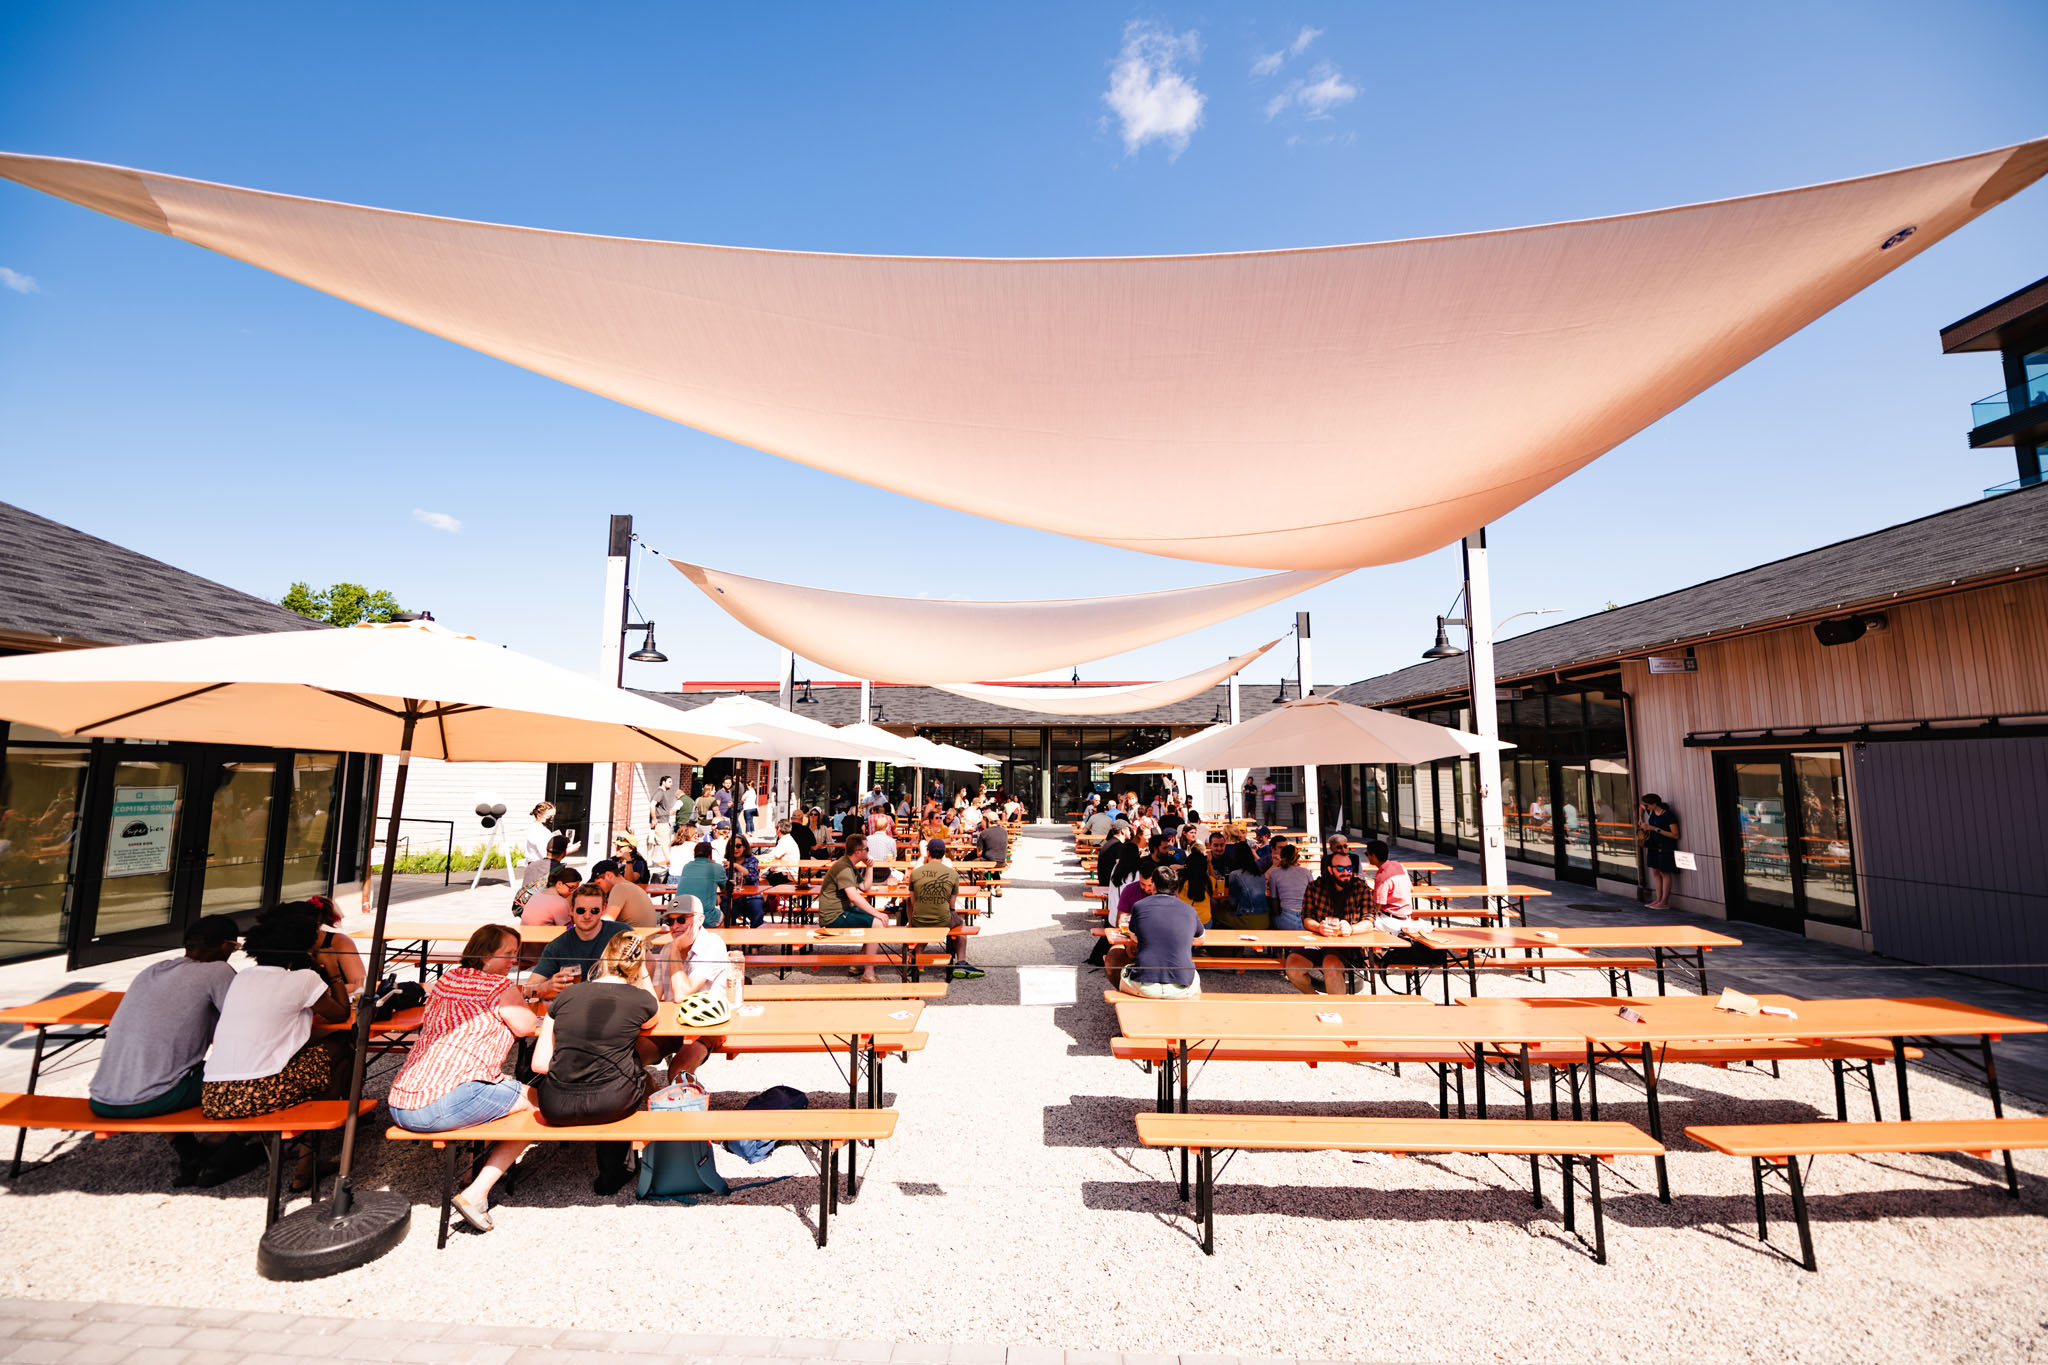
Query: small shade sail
x,y
1319,730
1105,701
775,733
1160,760
920,640
1340,406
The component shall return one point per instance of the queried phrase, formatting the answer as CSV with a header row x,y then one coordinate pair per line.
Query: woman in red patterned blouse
x,y
455,1074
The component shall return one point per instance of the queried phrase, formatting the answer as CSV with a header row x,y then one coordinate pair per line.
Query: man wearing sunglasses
x,y
1335,906
572,956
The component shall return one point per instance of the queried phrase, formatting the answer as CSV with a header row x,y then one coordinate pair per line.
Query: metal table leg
x,y
1656,1124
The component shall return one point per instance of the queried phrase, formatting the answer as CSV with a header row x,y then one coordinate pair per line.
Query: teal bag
x,y
677,1172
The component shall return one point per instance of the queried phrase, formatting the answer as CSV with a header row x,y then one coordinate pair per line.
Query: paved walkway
x,y
49,1332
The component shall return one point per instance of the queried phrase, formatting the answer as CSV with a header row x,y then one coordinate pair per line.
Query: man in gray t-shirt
x,y
157,1042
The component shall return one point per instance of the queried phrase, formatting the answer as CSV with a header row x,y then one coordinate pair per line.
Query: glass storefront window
x,y
309,826
1573,813
1404,800
140,882
238,841
1827,869
1614,830
1532,776
38,826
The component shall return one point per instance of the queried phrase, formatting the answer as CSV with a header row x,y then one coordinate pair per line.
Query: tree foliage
x,y
343,604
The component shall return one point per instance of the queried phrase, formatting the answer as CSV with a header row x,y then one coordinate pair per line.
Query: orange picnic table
x,y
1687,944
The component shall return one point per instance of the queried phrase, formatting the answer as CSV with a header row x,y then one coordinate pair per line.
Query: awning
x,y
1331,407
1105,701
921,640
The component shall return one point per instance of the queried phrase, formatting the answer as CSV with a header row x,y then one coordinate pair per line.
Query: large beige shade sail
x,y
921,640
1343,405
1318,730
1106,701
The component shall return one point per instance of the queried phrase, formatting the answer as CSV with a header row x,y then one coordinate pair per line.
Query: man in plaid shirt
x,y
1335,905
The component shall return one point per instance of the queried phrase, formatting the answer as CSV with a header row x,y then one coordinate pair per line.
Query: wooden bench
x,y
1449,1063
847,990
813,962
1582,1143
830,1128
1777,1147
67,1113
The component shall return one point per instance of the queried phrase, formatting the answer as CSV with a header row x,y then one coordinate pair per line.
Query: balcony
x,y
2014,416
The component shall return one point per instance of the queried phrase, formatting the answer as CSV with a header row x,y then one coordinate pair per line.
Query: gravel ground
x,y
1013,1207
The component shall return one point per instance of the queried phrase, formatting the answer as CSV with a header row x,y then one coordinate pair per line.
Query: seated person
x,y
993,843
1286,884
537,870
591,1058
570,958
1143,882
742,868
154,1055
1160,962
624,900
626,853
1248,906
455,1074
702,877
334,953
1393,908
264,1056
685,960
934,890
1335,905
840,902
550,905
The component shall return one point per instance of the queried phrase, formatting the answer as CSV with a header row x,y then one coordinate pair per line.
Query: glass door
x,y
151,857
1755,822
569,793
237,840
1573,818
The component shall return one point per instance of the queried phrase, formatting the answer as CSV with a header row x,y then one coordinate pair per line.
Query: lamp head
x,y
647,653
1442,649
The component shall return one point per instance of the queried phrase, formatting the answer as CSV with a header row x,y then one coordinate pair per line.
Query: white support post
x,y
1304,667
1493,853
867,709
785,697
1237,775
611,655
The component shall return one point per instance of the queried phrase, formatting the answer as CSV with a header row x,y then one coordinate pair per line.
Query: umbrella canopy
x,y
1319,730
411,688
1161,759
352,690
888,748
946,757
783,734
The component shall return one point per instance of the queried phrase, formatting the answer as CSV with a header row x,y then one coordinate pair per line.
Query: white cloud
x,y
1150,95
1326,92
440,521
1315,98
1269,63
18,282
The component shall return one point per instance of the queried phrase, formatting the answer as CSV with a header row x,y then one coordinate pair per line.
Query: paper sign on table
x,y
1544,934
1630,1015
1779,1010
751,1010
1735,1002
1329,1017
1249,938
899,1014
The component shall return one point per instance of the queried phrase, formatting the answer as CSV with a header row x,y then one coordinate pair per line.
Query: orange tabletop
x,y
424,931
86,1009
803,936
819,1018
1341,1020
1446,892
1604,936
1819,1020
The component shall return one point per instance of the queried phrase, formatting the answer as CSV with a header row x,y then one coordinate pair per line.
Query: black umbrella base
x,y
313,1243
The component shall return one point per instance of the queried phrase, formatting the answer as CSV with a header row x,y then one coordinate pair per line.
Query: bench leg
x,y
1799,1213
1658,953
2012,1177
35,1069
828,1166
1870,1081
1529,1112
1571,1194
1182,1068
1205,1176
1756,1174
1599,1219
853,1058
1899,1062
1841,1093
447,1193
273,1148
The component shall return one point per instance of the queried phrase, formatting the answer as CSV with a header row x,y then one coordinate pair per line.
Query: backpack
x,y
678,1171
755,1150
529,889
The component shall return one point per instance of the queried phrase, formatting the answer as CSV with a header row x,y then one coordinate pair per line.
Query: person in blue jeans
x,y
742,868
454,1075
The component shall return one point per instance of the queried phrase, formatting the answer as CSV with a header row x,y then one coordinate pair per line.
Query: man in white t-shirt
x,y
970,819
692,959
750,807
882,847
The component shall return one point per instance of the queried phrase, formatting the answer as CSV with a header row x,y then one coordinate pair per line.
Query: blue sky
x,y
252,430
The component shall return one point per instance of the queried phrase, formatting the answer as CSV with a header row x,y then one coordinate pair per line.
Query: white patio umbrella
x,y
889,748
776,733
946,757
411,688
1319,730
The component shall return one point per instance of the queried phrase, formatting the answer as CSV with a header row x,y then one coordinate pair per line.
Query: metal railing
x,y
447,863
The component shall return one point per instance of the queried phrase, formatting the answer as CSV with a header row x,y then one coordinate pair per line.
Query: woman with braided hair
x,y
593,1058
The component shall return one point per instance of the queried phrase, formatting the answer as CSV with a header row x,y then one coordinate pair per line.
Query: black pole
x,y
366,1006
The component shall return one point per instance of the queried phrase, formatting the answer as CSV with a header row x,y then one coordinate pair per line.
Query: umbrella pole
x,y
344,1189
348,1231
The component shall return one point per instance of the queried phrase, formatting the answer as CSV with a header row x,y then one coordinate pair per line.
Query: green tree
x,y
343,604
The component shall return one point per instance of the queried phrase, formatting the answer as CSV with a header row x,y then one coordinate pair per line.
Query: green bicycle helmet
x,y
703,1011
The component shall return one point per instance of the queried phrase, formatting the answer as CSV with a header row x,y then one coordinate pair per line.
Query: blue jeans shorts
x,y
470,1102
